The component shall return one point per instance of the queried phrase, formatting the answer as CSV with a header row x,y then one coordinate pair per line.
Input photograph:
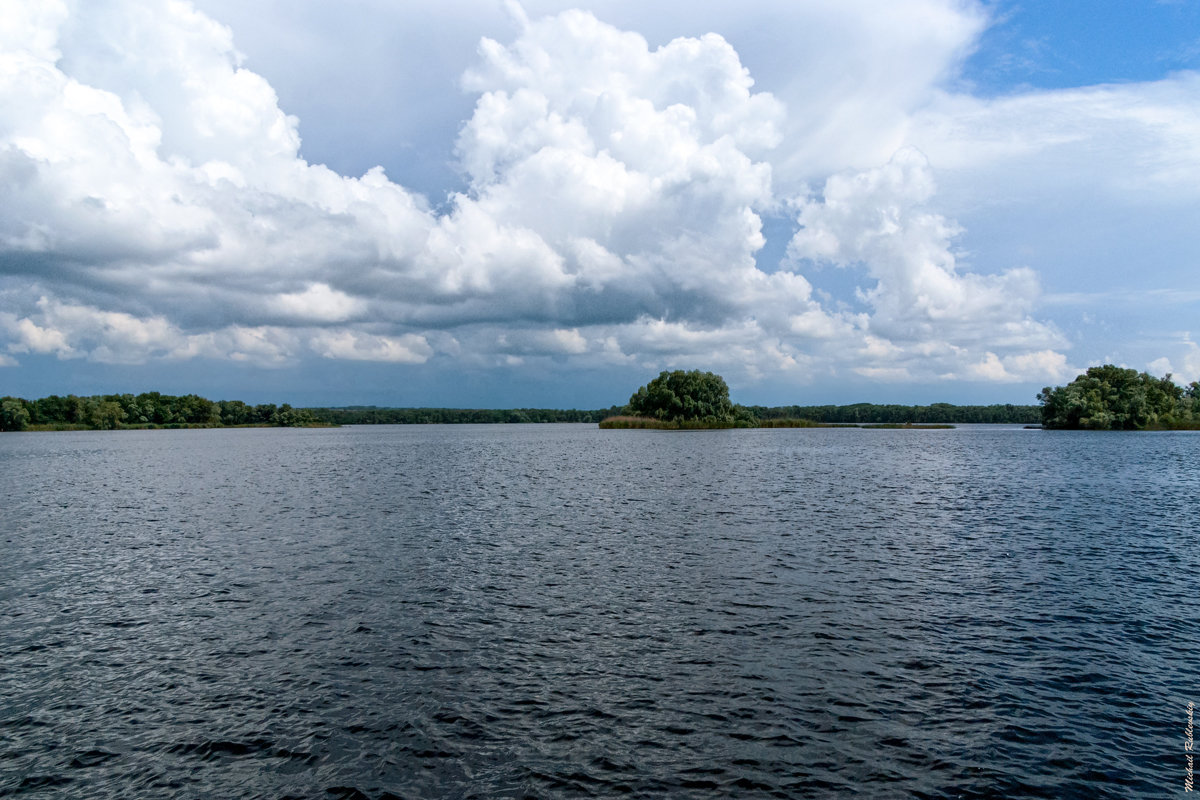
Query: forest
x,y
157,410
147,410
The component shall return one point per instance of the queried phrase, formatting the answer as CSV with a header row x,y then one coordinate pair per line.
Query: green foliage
x,y
1113,398
287,417
105,415
147,410
156,410
14,416
235,412
685,397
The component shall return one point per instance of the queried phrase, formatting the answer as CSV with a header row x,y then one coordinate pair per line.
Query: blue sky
x,y
1066,44
494,204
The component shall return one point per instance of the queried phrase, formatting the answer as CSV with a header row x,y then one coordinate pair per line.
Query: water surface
x,y
560,611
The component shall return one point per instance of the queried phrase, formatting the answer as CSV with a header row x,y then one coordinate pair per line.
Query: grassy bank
x,y
167,426
908,426
625,422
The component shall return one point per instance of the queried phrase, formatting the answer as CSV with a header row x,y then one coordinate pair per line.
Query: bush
x,y
1113,398
13,415
685,397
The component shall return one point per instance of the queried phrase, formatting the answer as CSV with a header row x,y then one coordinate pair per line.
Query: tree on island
x,y
692,398
13,414
1113,398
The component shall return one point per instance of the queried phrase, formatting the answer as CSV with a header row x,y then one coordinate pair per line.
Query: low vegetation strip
x,y
372,415
626,422
936,413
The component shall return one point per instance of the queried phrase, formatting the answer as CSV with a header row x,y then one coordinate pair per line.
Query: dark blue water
x,y
560,611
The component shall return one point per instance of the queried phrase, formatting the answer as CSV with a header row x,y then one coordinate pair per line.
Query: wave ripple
x,y
558,611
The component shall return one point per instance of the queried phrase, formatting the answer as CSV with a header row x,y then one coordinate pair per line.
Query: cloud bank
x,y
154,205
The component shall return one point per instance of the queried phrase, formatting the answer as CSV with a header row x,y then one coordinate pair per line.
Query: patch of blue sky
x,y
1074,43
837,287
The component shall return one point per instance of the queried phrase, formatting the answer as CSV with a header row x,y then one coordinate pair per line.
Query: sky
x,y
495,204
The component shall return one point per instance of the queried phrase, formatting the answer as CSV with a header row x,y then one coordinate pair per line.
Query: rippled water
x,y
560,611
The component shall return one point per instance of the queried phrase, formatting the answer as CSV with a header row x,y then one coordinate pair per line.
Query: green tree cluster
x,y
691,399
1113,398
150,409
13,414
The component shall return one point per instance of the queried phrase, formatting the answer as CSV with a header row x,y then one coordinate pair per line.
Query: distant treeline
x,y
153,409
871,413
147,410
371,415
858,413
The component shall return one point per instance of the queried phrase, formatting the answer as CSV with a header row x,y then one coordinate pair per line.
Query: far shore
x,y
153,410
626,422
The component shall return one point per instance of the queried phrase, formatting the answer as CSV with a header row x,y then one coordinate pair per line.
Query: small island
x,y
681,400
1112,398
696,400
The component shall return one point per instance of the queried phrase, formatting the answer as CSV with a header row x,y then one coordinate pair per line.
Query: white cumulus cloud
x,y
879,220
407,349
1183,363
155,203
317,303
